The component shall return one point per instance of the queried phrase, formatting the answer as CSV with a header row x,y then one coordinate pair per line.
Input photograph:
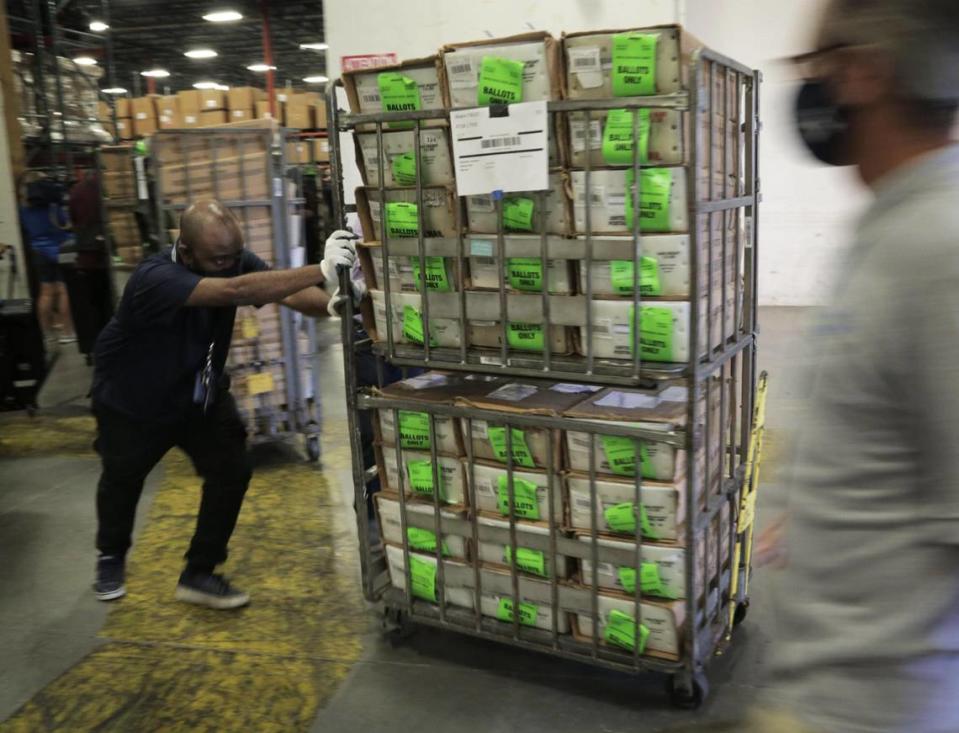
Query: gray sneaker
x,y
209,589
110,577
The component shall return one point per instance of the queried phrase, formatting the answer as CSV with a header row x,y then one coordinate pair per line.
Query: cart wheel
x,y
684,697
396,626
740,614
313,448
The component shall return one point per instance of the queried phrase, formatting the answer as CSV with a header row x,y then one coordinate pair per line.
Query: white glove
x,y
340,250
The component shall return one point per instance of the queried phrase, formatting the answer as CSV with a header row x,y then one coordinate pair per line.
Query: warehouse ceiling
x,y
149,34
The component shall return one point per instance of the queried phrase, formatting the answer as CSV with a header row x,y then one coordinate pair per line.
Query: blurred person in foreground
x,y
159,382
867,613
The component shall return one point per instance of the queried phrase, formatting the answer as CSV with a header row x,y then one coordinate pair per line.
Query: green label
x,y
404,169
525,336
500,81
655,332
621,455
621,631
436,278
525,502
617,147
398,93
413,326
414,430
525,273
521,452
421,477
402,220
623,279
622,518
531,561
654,191
423,579
518,214
634,64
527,612
649,579
424,540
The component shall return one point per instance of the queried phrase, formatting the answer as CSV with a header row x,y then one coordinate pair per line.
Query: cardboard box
x,y
190,120
588,58
455,592
442,273
144,128
481,210
521,274
608,202
664,503
263,110
542,67
435,157
212,99
438,219
119,184
123,106
536,609
668,140
244,99
214,118
298,152
418,478
663,620
104,112
144,108
415,431
168,106
533,558
321,150
130,255
117,158
301,110
190,102
363,91
491,490
612,331
185,172
531,446
321,115
443,331
421,517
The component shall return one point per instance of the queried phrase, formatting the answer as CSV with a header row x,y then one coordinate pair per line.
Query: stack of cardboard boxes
x,y
118,180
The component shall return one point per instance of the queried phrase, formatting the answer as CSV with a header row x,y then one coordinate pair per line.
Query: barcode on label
x,y
579,136
582,502
584,59
371,98
500,142
595,197
463,68
616,200
601,328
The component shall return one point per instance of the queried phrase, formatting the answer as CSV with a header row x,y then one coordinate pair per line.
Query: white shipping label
x,y
422,381
508,153
616,200
375,210
585,63
513,392
211,104
370,98
597,196
579,135
574,388
461,71
627,400
481,247
482,204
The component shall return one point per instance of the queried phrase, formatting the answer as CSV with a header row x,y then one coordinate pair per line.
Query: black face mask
x,y
823,125
228,272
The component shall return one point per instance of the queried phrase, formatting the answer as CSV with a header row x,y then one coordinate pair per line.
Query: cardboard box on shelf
x,y
214,117
664,266
241,166
263,110
320,115
124,107
524,268
144,108
531,491
130,255
663,330
117,158
170,122
530,445
301,110
244,99
464,63
663,202
104,112
535,604
211,99
399,164
420,524
190,102
363,87
425,580
298,152
168,108
663,568
663,504
190,120
533,556
124,128
520,210
418,475
663,620
408,322
321,150
144,127
442,274
119,184
438,218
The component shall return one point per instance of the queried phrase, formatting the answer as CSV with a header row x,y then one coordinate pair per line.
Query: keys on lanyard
x,y
205,382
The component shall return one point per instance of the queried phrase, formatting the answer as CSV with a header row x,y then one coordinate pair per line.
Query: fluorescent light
x,y
206,85
314,46
201,53
156,73
98,26
261,67
223,16
315,79
85,61
222,87
115,90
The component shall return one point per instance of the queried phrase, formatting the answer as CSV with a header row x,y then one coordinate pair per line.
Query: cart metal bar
x,y
711,207
461,280
229,203
553,570
501,281
513,544
675,438
594,544
638,533
546,326
385,244
404,521
437,490
474,523
588,208
420,246
635,194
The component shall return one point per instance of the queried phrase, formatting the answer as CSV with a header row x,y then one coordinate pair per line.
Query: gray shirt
x,y
868,608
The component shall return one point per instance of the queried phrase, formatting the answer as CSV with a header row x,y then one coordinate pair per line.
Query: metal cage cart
x,y
273,361
607,614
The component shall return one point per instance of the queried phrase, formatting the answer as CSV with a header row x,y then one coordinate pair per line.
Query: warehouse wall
x,y
808,210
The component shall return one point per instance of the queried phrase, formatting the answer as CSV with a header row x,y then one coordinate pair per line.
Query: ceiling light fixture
x,y
261,67
98,26
206,85
315,79
314,46
201,53
223,16
222,87
156,73
85,61
115,90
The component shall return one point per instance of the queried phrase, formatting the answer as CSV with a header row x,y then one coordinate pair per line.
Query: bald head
x,y
210,238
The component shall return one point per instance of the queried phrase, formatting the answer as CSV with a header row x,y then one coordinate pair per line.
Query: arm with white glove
x,y
340,251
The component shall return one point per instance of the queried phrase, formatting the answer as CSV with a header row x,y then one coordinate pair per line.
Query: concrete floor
x,y
435,680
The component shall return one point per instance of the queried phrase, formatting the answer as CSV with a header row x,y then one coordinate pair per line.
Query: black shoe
x,y
108,585
209,589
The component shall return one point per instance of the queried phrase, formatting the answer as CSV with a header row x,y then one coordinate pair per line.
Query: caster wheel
x,y
740,614
684,697
313,448
397,626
